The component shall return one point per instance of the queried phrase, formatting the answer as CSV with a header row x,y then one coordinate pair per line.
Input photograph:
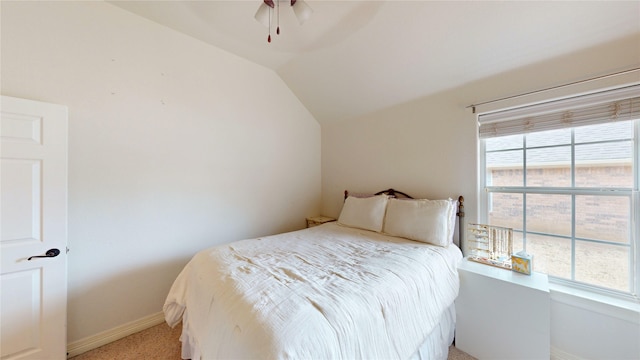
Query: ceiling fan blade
x,y
262,15
302,10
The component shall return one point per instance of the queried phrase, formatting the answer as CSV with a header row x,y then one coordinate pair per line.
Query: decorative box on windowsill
x,y
522,262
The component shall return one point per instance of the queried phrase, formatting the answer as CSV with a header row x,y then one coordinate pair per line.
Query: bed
x,y
379,283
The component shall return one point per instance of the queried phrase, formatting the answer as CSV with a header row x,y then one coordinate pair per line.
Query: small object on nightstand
x,y
318,220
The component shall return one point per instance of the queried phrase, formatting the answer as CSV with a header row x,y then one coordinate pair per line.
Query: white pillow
x,y
422,220
364,213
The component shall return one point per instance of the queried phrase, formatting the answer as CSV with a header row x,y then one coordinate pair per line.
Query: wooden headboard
x,y
394,193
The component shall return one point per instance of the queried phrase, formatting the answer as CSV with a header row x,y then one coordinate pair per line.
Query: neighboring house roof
x,y
606,143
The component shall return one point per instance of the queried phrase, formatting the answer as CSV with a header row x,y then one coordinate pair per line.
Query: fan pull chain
x,y
269,38
278,15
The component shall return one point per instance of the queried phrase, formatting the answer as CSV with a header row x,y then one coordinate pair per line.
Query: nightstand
x,y
318,220
502,314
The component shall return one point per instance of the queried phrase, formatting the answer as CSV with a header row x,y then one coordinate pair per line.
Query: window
x,y
564,175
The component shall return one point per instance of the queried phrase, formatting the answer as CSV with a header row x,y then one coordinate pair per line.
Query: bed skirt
x,y
435,347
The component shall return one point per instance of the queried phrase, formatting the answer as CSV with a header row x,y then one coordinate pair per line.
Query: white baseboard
x,y
111,335
557,354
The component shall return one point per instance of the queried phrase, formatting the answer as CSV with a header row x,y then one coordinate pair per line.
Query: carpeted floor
x,y
159,342
162,343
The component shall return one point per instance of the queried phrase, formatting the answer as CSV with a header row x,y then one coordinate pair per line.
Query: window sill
x,y
624,309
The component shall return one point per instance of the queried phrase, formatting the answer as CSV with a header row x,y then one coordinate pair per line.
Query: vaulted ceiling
x,y
355,57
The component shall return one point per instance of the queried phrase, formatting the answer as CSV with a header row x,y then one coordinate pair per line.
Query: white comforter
x,y
327,292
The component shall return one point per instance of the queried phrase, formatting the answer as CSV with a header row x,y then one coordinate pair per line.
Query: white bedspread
x,y
327,292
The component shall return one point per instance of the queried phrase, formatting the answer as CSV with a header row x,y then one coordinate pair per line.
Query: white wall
x,y
174,146
582,328
428,148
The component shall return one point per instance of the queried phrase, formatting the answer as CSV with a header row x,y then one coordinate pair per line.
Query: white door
x,y
33,220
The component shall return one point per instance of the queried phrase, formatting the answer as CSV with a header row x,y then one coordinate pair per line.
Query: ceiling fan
x,y
264,14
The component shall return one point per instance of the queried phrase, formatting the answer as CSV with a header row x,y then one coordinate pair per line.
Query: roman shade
x,y
606,106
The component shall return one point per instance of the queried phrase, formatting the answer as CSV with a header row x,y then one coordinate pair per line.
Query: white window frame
x,y
484,194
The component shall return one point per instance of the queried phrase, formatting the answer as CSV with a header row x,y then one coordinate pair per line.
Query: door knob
x,y
49,253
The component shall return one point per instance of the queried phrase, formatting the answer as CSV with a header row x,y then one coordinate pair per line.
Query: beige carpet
x,y
162,343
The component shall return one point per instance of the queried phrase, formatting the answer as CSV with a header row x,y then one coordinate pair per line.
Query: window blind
x,y
607,106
